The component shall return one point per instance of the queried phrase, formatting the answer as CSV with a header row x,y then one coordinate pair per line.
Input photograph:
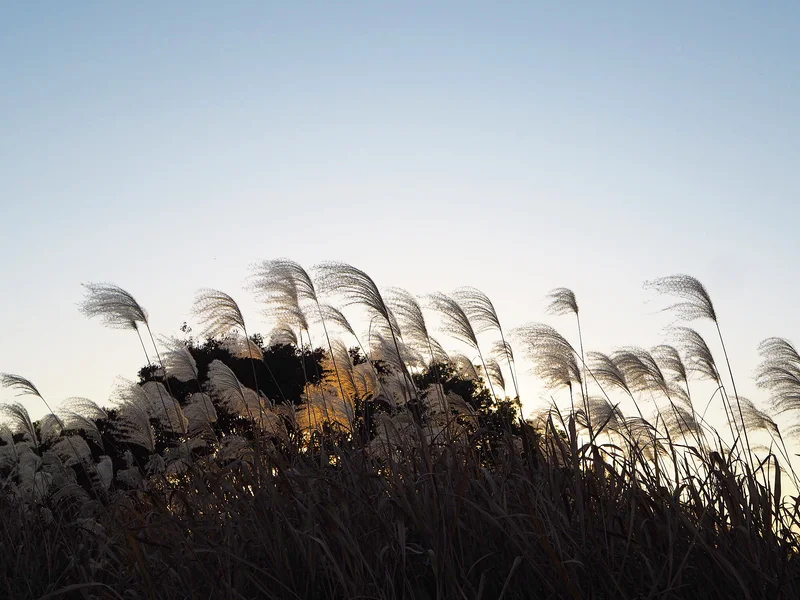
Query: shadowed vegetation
x,y
351,454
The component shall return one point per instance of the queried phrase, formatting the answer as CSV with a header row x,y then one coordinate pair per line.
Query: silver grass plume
x,y
200,413
218,312
221,315
168,411
80,414
643,373
606,372
346,370
495,374
240,346
134,424
19,384
481,311
562,302
322,404
757,419
669,360
680,421
285,284
155,400
23,387
117,309
105,471
271,273
224,384
50,428
337,317
114,306
409,312
396,355
602,415
356,287
695,304
415,329
465,367
242,400
779,373
178,361
456,322
640,370
699,358
439,353
553,356
72,450
359,381
283,334
501,349
20,420
333,315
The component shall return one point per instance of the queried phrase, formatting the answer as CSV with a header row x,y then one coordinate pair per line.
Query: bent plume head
x,y
479,308
455,319
695,304
218,312
114,306
562,302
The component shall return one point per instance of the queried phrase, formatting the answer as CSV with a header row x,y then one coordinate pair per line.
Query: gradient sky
x,y
515,147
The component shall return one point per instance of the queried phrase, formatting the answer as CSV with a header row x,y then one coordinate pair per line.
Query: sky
x,y
515,147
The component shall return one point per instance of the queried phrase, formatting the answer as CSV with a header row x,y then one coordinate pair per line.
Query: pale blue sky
x,y
514,147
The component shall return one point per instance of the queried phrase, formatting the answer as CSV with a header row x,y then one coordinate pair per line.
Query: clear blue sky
x,y
512,146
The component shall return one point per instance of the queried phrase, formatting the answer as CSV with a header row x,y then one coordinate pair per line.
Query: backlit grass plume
x,y
481,311
218,313
114,306
779,373
285,285
696,304
553,356
456,322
